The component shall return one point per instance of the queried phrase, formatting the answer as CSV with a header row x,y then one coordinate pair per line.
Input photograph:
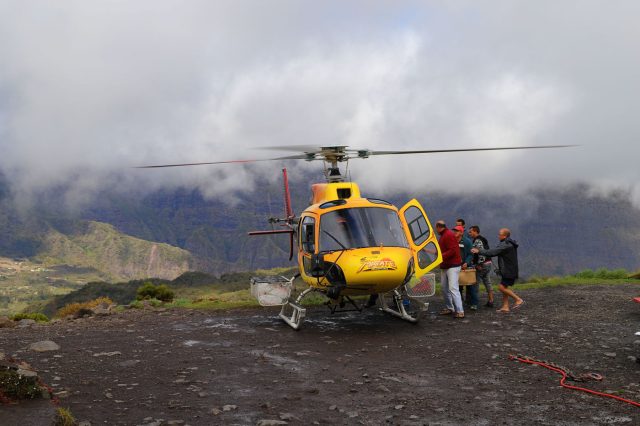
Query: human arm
x,y
496,251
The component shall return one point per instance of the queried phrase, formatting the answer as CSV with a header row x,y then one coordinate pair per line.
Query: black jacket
x,y
507,252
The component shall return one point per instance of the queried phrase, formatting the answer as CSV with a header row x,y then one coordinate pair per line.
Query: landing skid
x,y
397,308
293,313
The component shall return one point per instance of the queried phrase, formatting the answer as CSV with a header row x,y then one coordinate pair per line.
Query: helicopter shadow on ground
x,y
321,320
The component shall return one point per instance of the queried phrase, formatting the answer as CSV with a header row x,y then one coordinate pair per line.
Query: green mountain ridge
x,y
72,253
116,255
122,237
562,229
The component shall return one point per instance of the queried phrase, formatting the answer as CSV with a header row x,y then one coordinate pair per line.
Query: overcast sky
x,y
88,89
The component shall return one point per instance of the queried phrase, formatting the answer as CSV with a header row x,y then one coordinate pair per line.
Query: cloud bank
x,y
88,90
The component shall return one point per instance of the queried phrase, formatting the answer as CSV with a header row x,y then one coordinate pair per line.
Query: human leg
x,y
444,281
510,293
452,276
473,295
484,275
507,292
505,297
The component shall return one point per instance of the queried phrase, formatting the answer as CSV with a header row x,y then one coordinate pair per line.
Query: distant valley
x,y
91,251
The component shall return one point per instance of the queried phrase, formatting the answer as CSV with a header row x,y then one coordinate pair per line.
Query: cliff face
x,y
119,256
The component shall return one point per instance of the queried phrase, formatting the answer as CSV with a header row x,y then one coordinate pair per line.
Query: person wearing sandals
x,y
482,264
465,244
450,271
507,252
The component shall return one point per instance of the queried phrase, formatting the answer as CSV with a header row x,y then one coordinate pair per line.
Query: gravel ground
x,y
246,367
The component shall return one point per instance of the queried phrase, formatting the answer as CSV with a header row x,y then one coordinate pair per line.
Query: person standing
x,y
450,271
465,244
482,263
507,252
469,298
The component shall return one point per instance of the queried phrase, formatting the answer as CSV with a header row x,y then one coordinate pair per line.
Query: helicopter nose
x,y
386,268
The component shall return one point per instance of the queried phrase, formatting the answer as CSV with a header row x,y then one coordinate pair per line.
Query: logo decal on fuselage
x,y
385,264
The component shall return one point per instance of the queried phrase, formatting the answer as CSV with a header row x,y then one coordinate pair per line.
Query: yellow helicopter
x,y
350,245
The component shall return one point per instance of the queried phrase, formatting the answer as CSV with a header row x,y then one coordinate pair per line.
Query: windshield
x,y
361,227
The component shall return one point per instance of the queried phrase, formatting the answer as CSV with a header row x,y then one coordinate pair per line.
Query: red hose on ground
x,y
564,378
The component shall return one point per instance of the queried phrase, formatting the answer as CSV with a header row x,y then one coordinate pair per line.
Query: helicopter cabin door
x,y
422,239
306,242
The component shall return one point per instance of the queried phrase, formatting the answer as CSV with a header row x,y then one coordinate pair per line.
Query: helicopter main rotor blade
x,y
438,151
341,153
298,148
290,157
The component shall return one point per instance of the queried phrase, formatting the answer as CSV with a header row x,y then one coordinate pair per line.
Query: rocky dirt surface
x,y
246,367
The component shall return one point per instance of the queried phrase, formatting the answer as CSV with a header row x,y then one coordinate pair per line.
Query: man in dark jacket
x,y
507,252
450,271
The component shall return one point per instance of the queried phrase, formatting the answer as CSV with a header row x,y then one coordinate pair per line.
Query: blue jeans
x,y
450,291
472,294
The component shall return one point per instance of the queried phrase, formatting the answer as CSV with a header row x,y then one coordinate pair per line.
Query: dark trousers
x,y
471,296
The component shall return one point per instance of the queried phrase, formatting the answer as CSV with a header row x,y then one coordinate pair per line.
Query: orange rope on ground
x,y
564,378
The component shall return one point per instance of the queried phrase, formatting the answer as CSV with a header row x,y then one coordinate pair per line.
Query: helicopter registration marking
x,y
377,265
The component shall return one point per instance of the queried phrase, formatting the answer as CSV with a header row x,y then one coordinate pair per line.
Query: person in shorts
x,y
507,252
482,264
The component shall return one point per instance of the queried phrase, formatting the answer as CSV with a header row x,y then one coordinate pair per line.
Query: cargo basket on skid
x,y
425,286
271,290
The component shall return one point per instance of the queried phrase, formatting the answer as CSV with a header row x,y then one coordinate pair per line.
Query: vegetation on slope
x,y
188,287
202,291
75,253
119,256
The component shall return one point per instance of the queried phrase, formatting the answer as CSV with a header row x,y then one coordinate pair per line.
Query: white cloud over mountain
x,y
89,89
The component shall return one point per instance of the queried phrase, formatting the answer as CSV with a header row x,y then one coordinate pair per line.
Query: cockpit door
x,y
422,238
307,241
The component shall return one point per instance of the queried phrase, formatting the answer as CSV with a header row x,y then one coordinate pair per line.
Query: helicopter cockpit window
x,y
427,255
333,203
417,225
308,235
360,227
